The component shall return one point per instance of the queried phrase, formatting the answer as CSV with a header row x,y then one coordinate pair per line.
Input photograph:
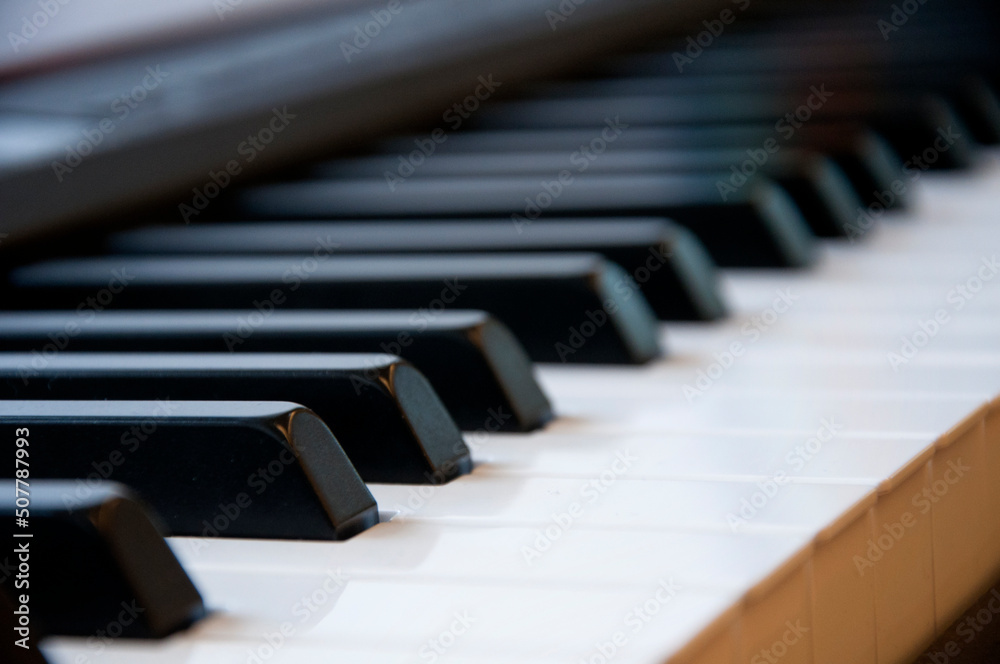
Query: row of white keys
x,y
968,331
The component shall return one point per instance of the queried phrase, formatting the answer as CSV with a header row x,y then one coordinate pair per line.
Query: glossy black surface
x,y
383,412
209,468
676,276
866,158
815,182
99,566
753,225
545,299
911,124
970,94
473,362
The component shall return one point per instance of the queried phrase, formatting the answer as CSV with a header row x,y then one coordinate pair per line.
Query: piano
x,y
698,306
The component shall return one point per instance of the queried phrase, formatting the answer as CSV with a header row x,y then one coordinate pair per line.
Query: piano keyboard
x,y
809,501
805,475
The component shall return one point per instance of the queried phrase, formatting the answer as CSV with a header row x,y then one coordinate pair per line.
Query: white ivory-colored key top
x,y
954,331
797,370
515,620
899,238
922,266
752,296
240,652
824,456
173,651
614,501
853,373
761,411
555,554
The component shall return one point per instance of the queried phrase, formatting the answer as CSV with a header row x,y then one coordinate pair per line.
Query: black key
x,y
770,52
912,126
384,413
474,363
866,158
208,468
562,307
816,184
819,187
676,275
971,95
757,225
99,566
